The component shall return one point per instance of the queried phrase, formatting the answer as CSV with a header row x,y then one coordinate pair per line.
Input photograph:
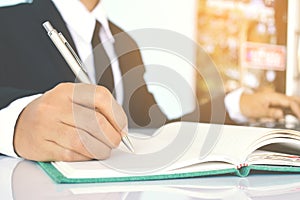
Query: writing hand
x,y
71,122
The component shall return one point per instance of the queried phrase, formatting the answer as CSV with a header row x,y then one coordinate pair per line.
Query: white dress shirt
x,y
75,14
232,104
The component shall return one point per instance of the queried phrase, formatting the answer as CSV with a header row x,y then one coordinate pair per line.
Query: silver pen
x,y
74,63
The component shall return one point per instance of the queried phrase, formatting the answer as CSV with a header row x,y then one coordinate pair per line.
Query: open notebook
x,y
186,149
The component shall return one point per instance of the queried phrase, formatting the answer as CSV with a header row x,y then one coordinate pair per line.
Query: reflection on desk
x,y
28,181
290,122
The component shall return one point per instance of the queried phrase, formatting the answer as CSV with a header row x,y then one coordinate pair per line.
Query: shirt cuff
x,y
232,104
8,119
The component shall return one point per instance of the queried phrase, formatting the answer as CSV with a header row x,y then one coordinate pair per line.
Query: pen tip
x,y
127,143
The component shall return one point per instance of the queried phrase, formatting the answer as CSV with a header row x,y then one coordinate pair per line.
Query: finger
x,y
82,142
295,109
275,113
68,137
108,106
84,94
92,123
55,152
280,100
296,99
100,99
96,148
287,102
108,133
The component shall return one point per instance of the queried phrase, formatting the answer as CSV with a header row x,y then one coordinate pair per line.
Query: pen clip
x,y
82,66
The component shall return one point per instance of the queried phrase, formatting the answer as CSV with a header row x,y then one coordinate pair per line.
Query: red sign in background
x,y
263,56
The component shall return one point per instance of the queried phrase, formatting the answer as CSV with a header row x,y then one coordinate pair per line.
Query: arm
x,y
244,106
269,105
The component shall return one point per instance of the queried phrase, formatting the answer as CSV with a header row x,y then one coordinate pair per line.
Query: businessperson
x,y
46,116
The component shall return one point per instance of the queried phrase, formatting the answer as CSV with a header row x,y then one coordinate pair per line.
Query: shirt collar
x,y
100,14
75,14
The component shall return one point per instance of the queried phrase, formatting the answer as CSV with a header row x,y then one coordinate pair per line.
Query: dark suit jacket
x,y
31,64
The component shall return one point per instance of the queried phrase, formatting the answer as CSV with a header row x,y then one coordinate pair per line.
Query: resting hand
x,y
268,104
71,122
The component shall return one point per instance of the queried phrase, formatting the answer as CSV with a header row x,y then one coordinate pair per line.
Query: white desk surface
x,y
29,181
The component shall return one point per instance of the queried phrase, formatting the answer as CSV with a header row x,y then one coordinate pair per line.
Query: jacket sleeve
x,y
9,94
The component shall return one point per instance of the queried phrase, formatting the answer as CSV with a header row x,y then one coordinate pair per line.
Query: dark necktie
x,y
104,75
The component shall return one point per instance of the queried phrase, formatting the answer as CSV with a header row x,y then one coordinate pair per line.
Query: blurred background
x,y
247,40
253,43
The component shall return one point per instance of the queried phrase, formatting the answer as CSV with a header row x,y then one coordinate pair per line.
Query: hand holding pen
x,y
70,122
74,63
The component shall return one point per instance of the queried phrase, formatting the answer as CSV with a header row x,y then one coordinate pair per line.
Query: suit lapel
x,y
45,10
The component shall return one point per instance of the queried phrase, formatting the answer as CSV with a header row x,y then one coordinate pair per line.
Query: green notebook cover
x,y
244,171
